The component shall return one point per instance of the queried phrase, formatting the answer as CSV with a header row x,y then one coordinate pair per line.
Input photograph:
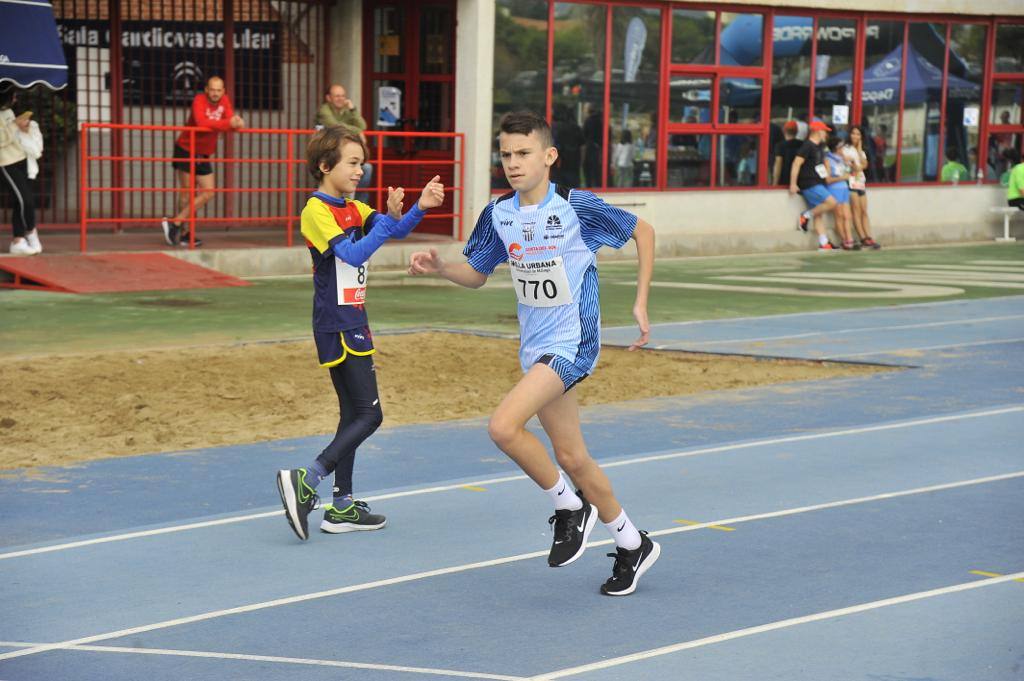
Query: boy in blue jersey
x,y
549,236
341,236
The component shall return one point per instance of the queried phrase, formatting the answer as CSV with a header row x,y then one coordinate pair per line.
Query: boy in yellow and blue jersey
x,y
549,235
341,236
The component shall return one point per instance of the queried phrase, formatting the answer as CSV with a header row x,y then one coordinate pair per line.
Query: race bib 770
x,y
541,283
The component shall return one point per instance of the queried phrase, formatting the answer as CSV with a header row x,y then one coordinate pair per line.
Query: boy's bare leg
x,y
561,421
507,428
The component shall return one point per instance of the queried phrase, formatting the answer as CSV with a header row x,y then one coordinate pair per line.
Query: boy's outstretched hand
x,y
433,194
640,314
423,262
395,205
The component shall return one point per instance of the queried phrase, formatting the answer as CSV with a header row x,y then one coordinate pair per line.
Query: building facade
x,y
674,109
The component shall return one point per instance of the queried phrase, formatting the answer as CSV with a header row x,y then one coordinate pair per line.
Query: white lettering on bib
x,y
351,282
541,283
821,170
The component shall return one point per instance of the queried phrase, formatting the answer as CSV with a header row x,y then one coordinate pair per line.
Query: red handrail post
x,y
289,201
83,183
462,183
380,174
192,190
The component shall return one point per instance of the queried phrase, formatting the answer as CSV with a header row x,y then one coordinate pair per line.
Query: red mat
x,y
109,273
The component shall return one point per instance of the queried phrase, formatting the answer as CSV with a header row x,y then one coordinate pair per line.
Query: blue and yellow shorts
x,y
332,347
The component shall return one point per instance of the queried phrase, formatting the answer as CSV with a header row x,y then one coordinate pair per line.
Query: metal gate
x,y
272,55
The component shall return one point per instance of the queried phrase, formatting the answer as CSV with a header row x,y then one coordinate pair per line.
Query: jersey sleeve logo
x,y
515,251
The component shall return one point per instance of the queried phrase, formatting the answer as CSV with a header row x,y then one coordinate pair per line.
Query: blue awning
x,y
30,49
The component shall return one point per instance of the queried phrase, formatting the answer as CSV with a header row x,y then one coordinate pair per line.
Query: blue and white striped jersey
x,y
550,248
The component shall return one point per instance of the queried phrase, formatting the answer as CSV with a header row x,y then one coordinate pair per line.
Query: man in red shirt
x,y
210,109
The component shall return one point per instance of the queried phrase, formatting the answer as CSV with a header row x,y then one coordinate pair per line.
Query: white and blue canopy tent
x,y
30,49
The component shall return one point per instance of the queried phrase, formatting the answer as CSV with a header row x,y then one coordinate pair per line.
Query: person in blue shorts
x,y
839,187
341,236
549,235
807,176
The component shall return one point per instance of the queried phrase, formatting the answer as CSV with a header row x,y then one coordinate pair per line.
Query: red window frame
x,y
987,128
764,72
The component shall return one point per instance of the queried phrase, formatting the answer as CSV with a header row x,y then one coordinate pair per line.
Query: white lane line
x,y
202,617
513,478
774,626
915,349
1013,298
283,660
862,329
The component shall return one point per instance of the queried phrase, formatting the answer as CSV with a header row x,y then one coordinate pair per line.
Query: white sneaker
x,y
22,247
33,240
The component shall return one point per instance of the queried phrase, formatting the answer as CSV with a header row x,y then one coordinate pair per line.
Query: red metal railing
x,y
453,183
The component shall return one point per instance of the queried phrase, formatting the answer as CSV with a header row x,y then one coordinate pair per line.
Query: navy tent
x,y
30,49
882,81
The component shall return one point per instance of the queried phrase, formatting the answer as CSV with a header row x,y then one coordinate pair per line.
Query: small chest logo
x,y
528,230
515,251
553,223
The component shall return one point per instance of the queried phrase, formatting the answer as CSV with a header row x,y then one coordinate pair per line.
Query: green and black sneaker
x,y
298,499
355,518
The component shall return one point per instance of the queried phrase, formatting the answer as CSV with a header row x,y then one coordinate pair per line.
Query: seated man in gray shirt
x,y
338,109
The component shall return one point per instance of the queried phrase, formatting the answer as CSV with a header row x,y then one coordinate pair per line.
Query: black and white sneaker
x,y
298,499
183,239
355,518
630,566
571,530
172,232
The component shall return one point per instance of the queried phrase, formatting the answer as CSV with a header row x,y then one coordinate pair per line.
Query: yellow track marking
x,y
723,528
474,488
983,573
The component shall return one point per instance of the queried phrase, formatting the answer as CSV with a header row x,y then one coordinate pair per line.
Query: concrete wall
x,y
474,92
712,223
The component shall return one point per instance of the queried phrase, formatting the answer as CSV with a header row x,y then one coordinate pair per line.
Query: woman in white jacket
x,y
14,178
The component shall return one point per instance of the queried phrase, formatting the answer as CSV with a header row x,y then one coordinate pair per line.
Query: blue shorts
x,y
815,195
332,347
571,373
841,191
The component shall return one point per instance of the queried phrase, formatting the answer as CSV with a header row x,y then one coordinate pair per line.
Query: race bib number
x,y
821,170
541,283
351,282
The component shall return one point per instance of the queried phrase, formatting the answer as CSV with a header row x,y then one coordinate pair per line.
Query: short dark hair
x,y
325,148
952,153
525,122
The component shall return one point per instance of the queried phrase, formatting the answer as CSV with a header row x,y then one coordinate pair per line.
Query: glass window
x,y
963,92
1007,98
693,37
520,66
1002,147
690,99
739,100
1010,48
577,95
791,78
742,42
689,160
737,161
922,102
791,68
880,96
388,25
833,67
633,120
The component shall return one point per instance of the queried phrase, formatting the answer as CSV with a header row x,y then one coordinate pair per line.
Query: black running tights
x,y
14,179
355,381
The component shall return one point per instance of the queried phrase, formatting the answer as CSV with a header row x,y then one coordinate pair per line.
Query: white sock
x,y
563,496
807,214
624,532
822,239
